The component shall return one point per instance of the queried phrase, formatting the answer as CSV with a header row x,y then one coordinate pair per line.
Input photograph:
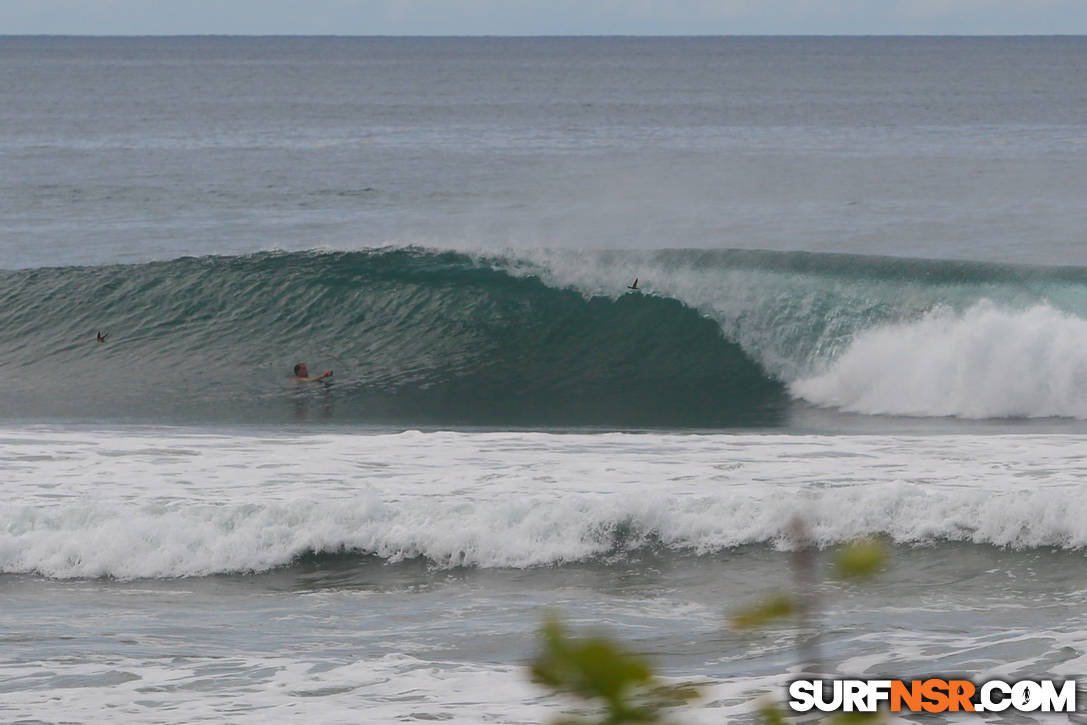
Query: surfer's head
x,y
300,371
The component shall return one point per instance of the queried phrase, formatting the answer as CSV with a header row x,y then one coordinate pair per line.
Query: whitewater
x,y
862,313
410,549
133,503
384,546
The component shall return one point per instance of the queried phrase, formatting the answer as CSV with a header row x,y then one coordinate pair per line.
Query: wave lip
x,y
988,362
875,335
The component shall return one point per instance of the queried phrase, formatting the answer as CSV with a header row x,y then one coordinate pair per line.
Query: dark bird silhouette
x,y
101,337
633,286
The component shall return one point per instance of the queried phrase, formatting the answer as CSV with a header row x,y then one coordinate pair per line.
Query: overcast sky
x,y
542,17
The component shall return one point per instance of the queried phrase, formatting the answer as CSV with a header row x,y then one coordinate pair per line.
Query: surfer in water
x,y
101,337
301,374
633,286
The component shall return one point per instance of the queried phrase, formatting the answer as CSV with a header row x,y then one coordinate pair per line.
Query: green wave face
x,y
543,338
796,313
413,338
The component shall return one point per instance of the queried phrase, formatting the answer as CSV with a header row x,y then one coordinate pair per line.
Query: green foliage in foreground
x,y
779,606
618,686
861,559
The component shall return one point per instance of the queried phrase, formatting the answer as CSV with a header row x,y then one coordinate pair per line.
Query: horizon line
x,y
544,35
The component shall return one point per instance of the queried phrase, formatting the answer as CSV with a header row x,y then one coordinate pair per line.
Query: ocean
x,y
861,305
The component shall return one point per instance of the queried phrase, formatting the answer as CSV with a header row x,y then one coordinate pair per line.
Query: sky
x,y
543,17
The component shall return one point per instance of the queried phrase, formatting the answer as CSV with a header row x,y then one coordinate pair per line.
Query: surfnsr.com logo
x,y
932,695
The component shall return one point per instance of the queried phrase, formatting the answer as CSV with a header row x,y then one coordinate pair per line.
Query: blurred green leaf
x,y
861,559
598,670
769,610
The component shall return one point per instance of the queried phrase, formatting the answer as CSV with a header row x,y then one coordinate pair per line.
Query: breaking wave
x,y
543,338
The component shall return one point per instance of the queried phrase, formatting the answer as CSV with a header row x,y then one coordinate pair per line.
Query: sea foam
x,y
987,362
154,504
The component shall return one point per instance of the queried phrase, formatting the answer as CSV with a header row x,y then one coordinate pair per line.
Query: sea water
x,y
861,271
